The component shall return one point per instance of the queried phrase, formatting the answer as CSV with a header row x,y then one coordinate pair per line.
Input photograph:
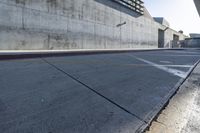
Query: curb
x,y
159,108
37,54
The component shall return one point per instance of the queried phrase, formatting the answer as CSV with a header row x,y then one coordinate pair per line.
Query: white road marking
x,y
181,66
164,68
174,55
167,62
184,52
181,55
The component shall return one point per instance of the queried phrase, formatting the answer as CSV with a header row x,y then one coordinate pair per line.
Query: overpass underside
x,y
197,3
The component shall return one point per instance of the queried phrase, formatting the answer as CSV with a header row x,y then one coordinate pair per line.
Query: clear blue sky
x,y
181,14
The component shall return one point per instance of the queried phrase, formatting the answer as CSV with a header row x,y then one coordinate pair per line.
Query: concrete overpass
x,y
197,3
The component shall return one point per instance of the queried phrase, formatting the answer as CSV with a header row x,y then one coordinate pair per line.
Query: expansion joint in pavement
x,y
93,90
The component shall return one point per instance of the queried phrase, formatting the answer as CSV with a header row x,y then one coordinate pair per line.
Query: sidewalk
x,y
182,114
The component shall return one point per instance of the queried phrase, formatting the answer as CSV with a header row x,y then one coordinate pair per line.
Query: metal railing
x,y
135,5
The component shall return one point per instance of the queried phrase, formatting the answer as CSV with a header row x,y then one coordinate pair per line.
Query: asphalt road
x,y
102,93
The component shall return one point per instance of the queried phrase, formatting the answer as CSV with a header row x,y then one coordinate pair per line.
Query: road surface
x,y
98,93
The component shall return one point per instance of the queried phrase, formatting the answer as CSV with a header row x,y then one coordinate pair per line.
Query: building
x,y
81,24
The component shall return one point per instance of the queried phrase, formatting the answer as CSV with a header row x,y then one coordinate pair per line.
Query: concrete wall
x,y
75,24
169,37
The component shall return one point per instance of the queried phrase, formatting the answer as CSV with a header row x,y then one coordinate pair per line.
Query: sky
x,y
181,14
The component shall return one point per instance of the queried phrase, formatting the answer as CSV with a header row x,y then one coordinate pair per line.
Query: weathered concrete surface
x,y
91,93
182,115
75,24
37,98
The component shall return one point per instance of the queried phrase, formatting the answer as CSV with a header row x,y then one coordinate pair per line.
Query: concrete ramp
x,y
104,93
37,98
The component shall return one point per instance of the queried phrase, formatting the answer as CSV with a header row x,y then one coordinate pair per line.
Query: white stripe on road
x,y
174,55
184,52
167,62
181,66
166,69
178,55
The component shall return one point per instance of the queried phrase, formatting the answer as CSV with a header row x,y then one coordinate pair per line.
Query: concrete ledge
x,y
21,54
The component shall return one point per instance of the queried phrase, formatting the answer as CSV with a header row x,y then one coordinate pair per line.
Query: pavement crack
x,y
93,90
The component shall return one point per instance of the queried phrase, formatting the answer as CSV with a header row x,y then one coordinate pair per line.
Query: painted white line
x,y
181,66
184,52
166,69
174,55
166,62
181,55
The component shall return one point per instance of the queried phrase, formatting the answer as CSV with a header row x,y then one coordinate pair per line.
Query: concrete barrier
x,y
191,43
67,24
